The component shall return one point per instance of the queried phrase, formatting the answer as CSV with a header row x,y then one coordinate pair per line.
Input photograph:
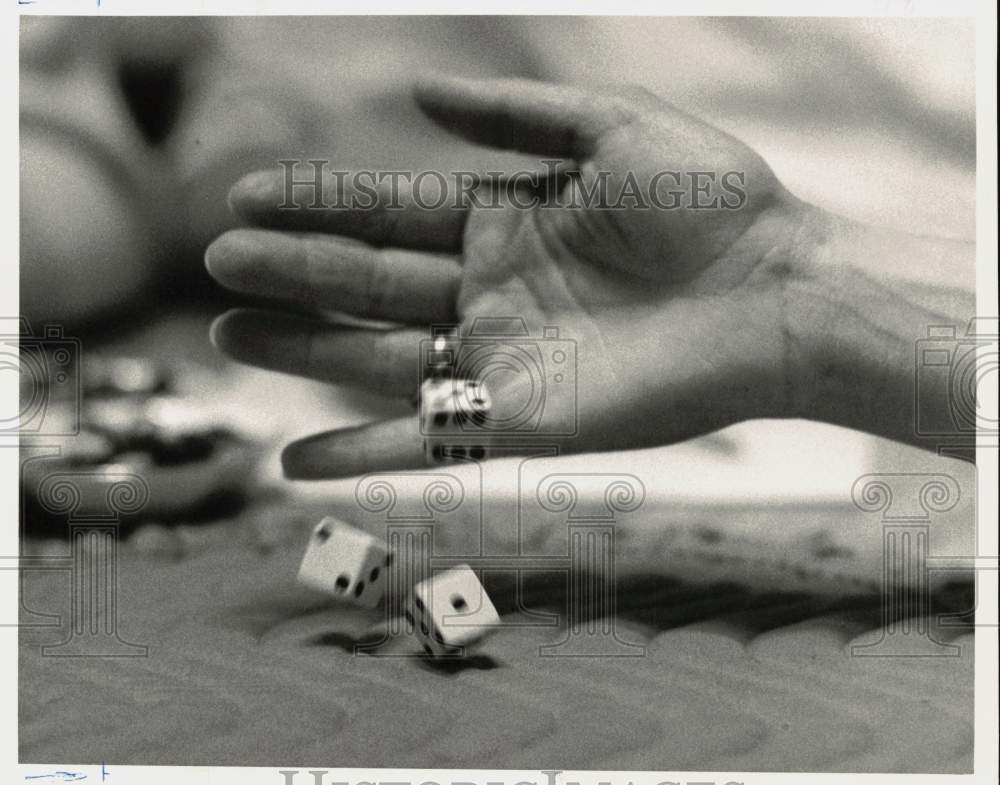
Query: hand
x,y
680,316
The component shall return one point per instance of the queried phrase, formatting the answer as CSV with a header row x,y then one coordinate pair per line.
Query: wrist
x,y
862,299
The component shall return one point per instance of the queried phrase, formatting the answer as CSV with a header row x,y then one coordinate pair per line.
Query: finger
x,y
336,273
425,214
380,446
385,361
521,114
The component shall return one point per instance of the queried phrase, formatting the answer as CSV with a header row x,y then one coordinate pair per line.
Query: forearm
x,y
856,315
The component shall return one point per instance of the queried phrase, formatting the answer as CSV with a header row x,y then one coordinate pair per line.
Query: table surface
x,y
245,668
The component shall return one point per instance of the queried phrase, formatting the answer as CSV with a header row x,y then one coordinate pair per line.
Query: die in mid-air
x,y
453,407
451,610
345,562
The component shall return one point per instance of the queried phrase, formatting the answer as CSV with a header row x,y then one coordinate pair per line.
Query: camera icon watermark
x,y
957,369
498,380
49,380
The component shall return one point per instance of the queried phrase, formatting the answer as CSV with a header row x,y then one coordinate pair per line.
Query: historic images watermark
x,y
546,777
421,516
959,368
90,501
492,384
47,366
907,505
93,505
315,185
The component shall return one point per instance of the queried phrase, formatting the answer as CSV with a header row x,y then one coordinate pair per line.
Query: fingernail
x,y
213,331
251,190
264,339
238,256
212,259
223,258
300,462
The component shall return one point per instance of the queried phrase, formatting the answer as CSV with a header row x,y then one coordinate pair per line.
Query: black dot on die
x,y
440,419
359,588
458,602
373,575
342,582
323,534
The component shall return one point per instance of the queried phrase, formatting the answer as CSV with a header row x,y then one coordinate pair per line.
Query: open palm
x,y
660,253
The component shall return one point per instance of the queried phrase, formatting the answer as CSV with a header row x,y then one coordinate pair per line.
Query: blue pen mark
x,y
105,773
58,776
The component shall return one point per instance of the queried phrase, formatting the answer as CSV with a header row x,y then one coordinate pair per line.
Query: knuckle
x,y
387,357
311,257
638,94
378,281
632,100
382,222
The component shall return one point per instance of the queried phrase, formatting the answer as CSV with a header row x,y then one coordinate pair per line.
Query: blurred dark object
x,y
131,423
125,376
98,200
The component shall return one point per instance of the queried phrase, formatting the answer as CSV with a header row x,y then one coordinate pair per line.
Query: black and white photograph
x,y
499,399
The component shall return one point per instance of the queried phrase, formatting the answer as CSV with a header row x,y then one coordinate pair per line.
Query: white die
x,y
450,610
438,452
453,407
345,562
